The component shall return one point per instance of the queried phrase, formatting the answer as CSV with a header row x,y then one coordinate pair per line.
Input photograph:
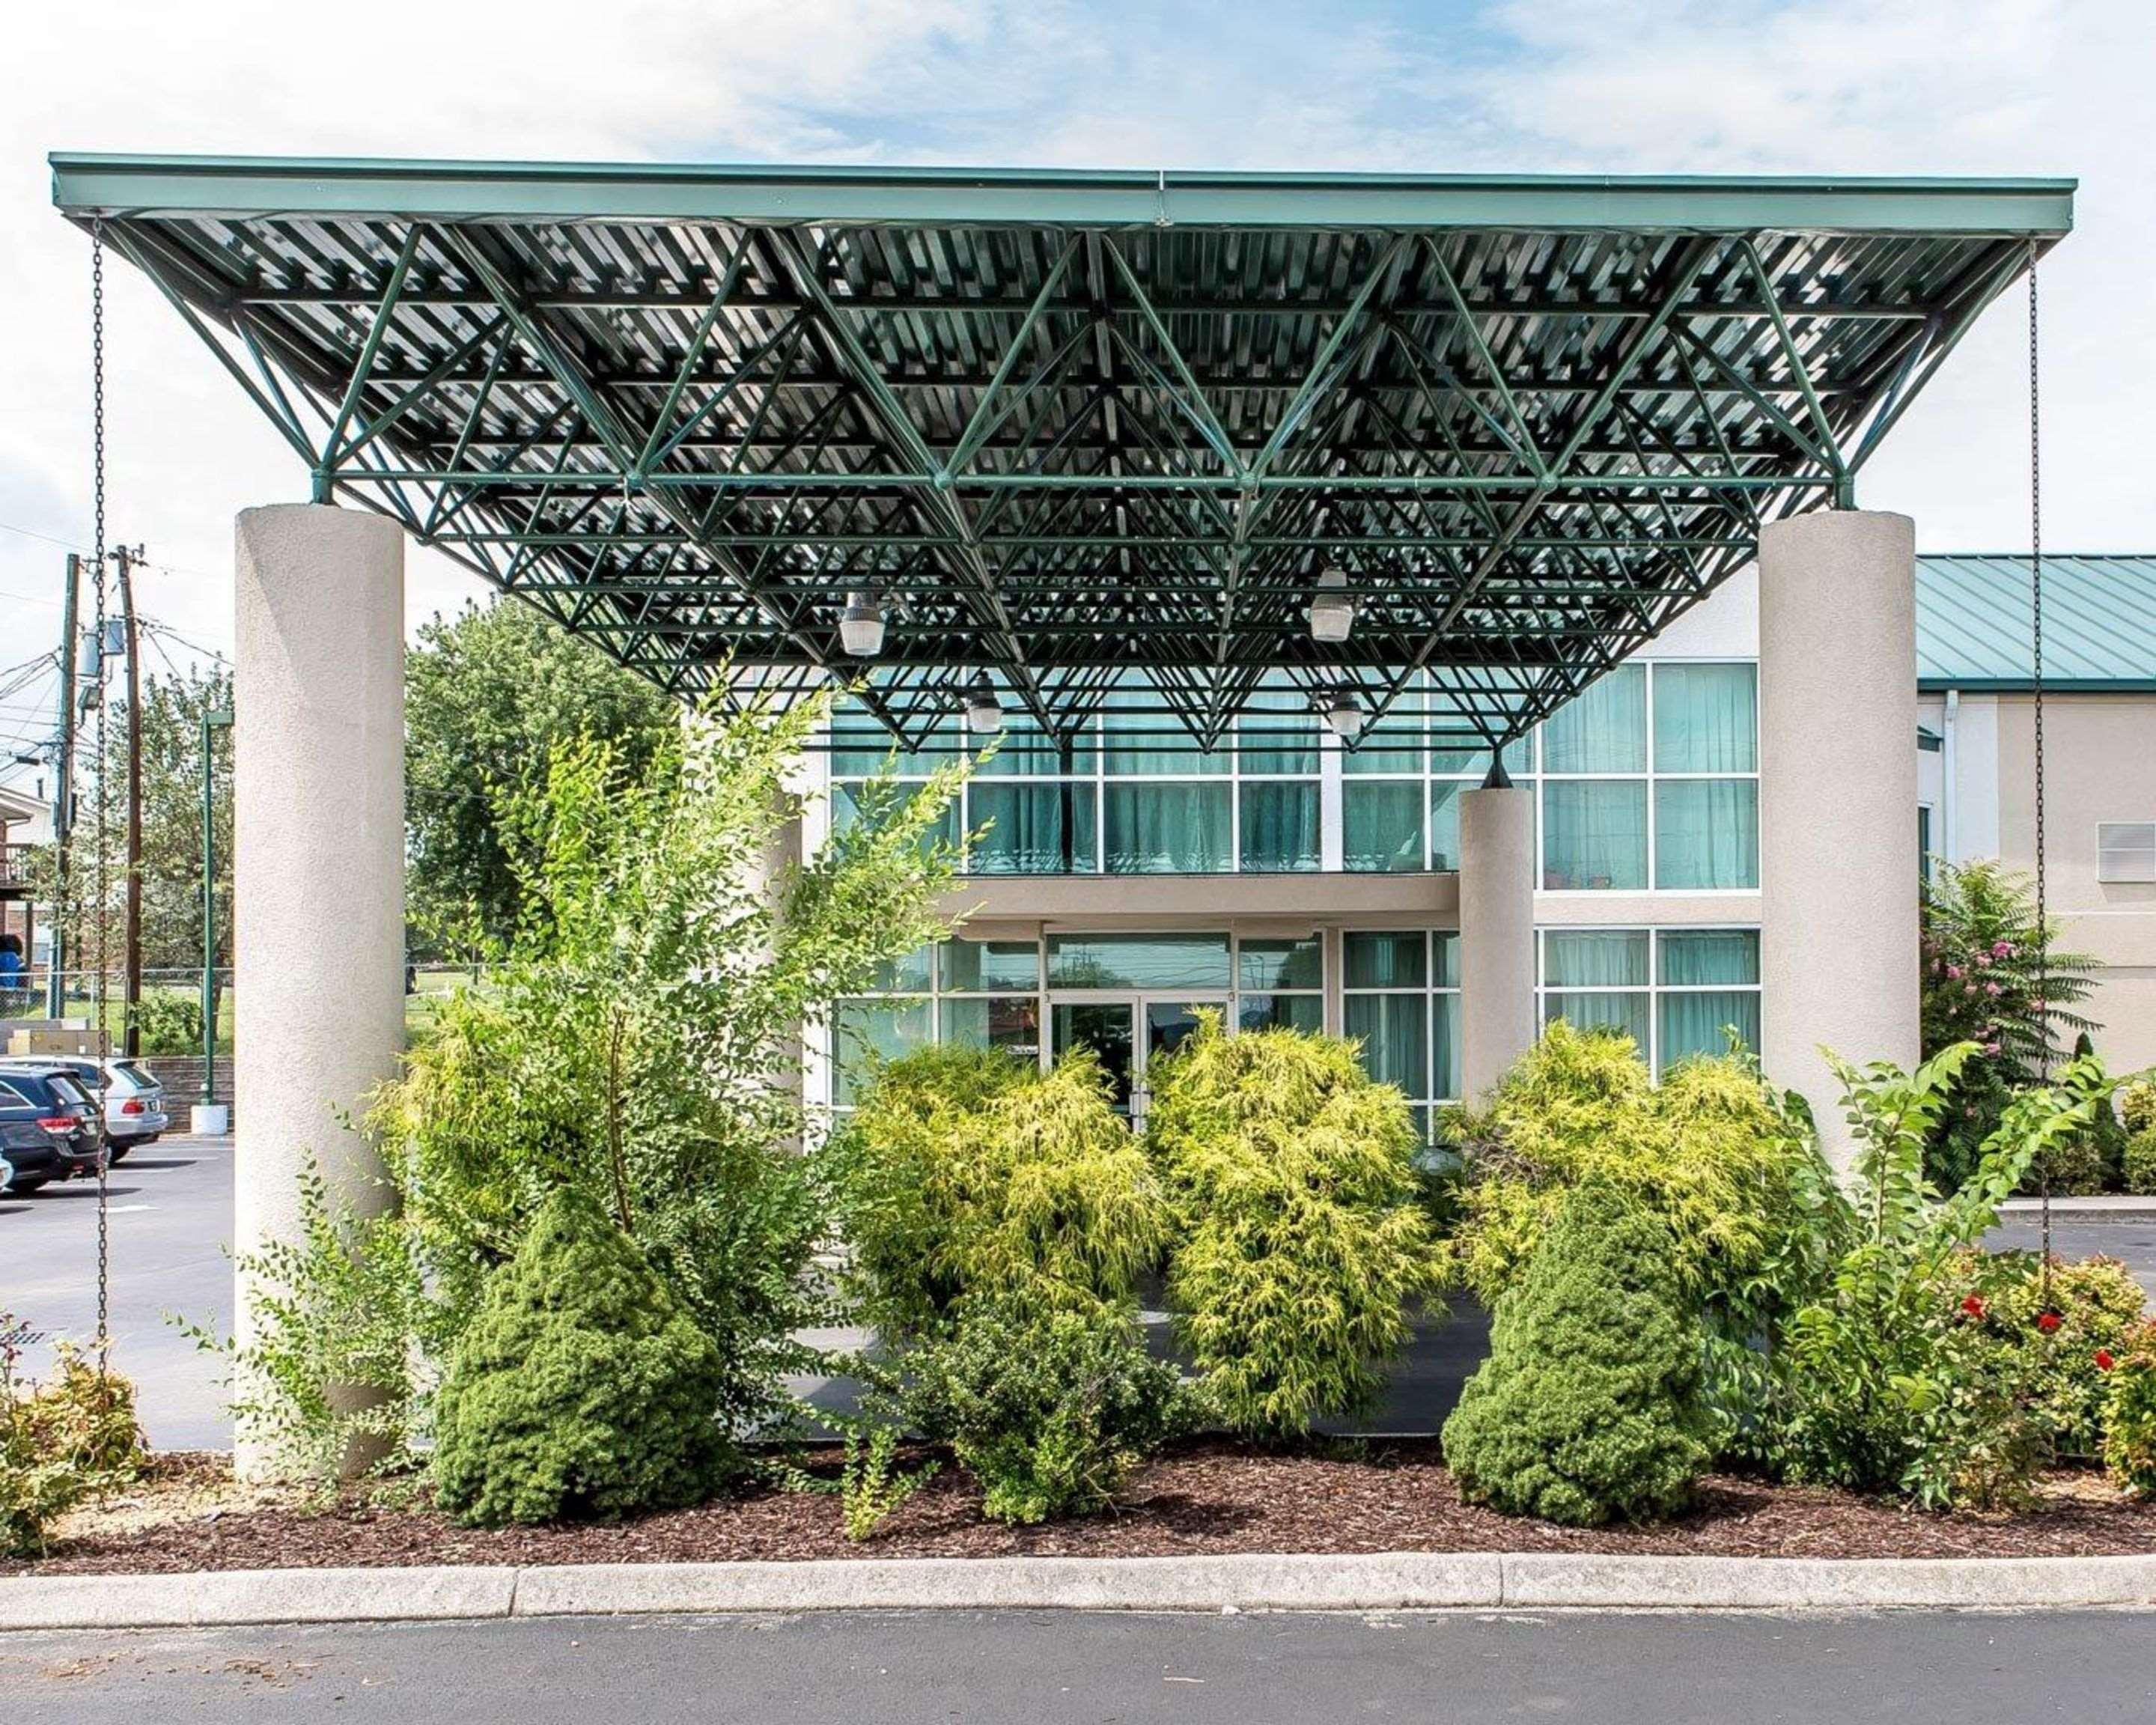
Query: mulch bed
x,y
1208,1497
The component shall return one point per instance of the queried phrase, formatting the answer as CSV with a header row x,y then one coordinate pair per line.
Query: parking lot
x,y
172,1220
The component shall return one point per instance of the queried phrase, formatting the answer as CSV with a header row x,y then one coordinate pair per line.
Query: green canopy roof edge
x,y
239,187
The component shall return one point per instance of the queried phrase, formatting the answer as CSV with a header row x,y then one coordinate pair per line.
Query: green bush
x,y
1712,1152
581,1388
1300,1238
2137,1115
1893,1373
2129,1440
1050,1411
970,1176
1591,1406
168,1022
68,1439
2092,1303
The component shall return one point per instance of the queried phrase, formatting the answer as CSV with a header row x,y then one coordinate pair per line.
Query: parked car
x,y
49,1127
133,1101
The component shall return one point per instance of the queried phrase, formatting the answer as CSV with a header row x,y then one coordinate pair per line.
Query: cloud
x,y
1929,86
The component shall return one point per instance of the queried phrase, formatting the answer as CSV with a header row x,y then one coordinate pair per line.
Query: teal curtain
x,y
1445,1044
1392,745
1023,752
1151,743
1709,957
1167,829
1279,825
1381,826
1025,824
1706,718
1394,1031
1383,960
850,803
1604,730
1594,835
1594,959
1697,1023
1627,1012
1706,833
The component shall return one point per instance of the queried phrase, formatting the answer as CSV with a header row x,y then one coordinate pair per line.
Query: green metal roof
x,y
1973,622
1094,435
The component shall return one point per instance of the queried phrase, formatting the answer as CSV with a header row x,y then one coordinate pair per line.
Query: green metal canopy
x,y
1093,436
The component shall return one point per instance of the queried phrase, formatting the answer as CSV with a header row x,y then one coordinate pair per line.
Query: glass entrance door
x,y
1125,1034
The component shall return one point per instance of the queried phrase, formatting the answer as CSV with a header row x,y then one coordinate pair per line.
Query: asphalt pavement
x,y
1043,1668
170,1218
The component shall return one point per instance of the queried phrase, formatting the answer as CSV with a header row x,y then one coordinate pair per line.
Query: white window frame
x,y
1654,988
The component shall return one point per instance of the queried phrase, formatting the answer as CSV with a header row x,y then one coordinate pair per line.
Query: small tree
x,y
581,1386
1982,956
1299,1236
1591,1406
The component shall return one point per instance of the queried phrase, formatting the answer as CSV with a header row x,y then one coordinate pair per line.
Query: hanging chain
x,y
2036,686
98,986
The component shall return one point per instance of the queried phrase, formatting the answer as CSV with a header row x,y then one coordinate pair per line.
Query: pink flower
x,y
2002,949
1954,972
1993,990
1991,1048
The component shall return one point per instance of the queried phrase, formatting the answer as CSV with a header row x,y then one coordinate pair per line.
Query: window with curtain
x,y
1178,829
1400,998
1675,992
1594,835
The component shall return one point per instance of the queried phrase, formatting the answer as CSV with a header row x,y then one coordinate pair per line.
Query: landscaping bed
x,y
1207,1497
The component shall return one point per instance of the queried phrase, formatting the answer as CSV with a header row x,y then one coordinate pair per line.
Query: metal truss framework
x,y
1096,436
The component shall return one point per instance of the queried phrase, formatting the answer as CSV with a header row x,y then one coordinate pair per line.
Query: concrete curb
x,y
2112,1206
1389,1581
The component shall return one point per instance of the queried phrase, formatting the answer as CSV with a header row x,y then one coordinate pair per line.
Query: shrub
x,y
1712,1152
1300,1237
1591,1405
2129,1440
2092,1304
1050,1411
970,1176
581,1388
167,1022
1889,1376
2137,1114
70,1439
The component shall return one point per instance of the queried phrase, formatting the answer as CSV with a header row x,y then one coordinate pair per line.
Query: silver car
x,y
132,1101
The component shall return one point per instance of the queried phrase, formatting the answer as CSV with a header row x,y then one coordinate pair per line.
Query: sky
x,y
1681,86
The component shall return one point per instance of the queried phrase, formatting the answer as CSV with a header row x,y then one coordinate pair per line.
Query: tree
x,y
488,694
1982,954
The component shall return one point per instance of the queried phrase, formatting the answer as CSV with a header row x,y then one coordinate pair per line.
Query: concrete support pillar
x,y
1496,934
1838,866
319,866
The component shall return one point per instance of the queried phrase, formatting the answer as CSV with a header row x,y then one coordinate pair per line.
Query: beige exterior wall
x,y
2100,765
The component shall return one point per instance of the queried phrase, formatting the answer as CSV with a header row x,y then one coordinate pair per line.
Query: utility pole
x,y
214,718
132,997
63,798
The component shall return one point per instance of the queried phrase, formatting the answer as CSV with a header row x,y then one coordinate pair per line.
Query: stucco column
x,y
1496,934
1838,866
318,866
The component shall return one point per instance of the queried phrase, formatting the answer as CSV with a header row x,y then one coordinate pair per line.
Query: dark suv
x,y
50,1128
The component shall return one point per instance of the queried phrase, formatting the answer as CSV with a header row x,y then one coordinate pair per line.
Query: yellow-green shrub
x,y
72,1438
2096,1304
2129,1436
970,1176
1708,1152
1299,1241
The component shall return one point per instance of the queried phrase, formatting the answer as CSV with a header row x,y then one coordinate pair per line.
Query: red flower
x,y
1973,1306
2104,1362
2047,1322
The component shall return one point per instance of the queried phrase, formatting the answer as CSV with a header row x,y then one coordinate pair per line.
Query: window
x,y
986,994
1279,983
1400,997
1675,992
2126,850
1923,841
1647,781
1650,779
